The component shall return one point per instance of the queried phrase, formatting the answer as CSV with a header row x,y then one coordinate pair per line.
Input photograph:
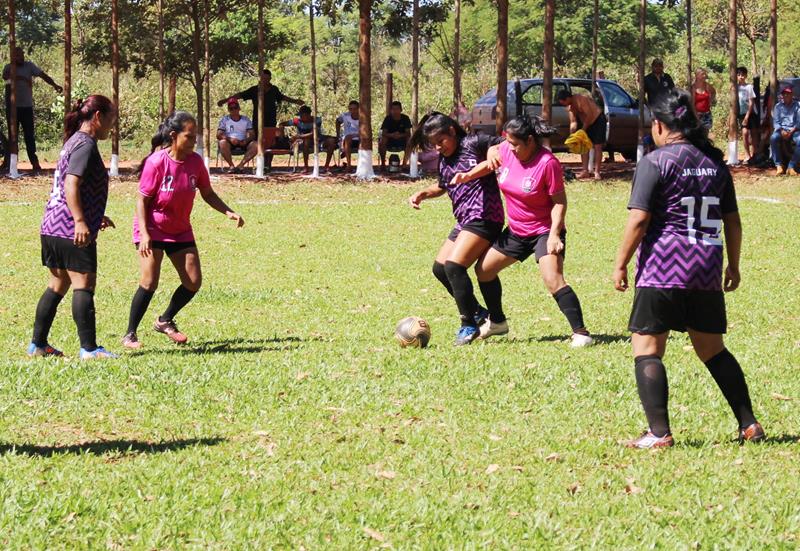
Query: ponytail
x,y
83,110
163,137
431,124
675,110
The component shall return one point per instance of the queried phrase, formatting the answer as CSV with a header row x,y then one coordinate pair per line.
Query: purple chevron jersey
x,y
79,157
687,193
477,199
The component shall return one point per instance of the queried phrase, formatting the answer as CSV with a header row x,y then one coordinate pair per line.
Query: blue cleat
x,y
43,351
97,354
466,335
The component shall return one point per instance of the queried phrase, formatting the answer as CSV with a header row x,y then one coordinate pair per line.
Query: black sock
x,y
180,298
651,380
570,306
463,292
729,377
492,292
83,314
45,314
441,275
139,305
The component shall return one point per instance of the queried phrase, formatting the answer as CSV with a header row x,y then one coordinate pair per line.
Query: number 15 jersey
x,y
687,193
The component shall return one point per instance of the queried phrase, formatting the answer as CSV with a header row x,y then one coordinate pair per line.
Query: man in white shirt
x,y
347,130
236,137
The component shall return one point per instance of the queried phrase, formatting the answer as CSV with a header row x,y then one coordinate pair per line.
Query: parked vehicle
x,y
622,111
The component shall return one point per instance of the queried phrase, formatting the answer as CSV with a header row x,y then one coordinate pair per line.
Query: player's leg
x,y
598,159
468,247
149,276
551,267
46,310
487,270
225,150
187,264
83,313
651,383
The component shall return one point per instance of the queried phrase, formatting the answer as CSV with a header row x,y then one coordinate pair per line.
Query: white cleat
x,y
490,328
581,341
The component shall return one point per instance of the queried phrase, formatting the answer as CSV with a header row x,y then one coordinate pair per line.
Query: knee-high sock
x,y
45,314
462,292
180,298
570,306
651,381
441,275
84,316
492,292
139,304
729,377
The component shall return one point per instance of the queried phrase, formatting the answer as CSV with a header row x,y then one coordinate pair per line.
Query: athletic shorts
x,y
706,120
657,311
486,229
170,247
520,248
396,145
61,253
597,130
752,122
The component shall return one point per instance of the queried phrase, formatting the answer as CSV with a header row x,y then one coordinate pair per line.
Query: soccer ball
x,y
413,331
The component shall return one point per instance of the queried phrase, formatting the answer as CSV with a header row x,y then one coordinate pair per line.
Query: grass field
x,y
292,420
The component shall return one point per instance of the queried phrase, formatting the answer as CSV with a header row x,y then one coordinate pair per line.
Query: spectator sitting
x,y
347,130
305,134
236,137
396,131
786,129
657,82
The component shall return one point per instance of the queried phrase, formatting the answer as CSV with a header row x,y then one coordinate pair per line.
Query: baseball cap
x,y
786,90
233,102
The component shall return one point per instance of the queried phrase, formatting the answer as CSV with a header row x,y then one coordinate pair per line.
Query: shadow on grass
x,y
598,339
770,441
103,447
231,346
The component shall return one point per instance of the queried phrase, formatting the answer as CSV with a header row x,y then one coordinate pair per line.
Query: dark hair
x,y
161,139
523,127
353,102
741,70
267,72
84,110
432,124
675,110
563,94
304,109
396,103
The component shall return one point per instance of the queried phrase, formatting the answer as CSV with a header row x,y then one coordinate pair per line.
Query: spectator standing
x,y
748,120
583,109
272,97
704,96
657,82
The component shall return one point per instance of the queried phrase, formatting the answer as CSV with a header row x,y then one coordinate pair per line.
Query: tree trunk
x,y
260,115
67,61
115,85
197,72
547,80
733,126
415,63
689,69
389,92
364,170
172,95
773,50
314,132
642,36
502,64
13,139
457,56
207,80
595,31
161,64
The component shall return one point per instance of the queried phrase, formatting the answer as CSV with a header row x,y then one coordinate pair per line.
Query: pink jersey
x,y
172,185
528,188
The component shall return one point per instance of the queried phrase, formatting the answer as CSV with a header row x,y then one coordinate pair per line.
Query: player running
x,y
477,208
171,175
72,219
682,197
532,183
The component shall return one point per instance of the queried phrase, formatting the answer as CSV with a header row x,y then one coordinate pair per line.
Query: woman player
x,y
682,197
72,218
171,175
477,208
532,183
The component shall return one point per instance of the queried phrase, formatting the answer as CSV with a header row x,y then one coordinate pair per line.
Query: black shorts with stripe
x,y
520,248
485,229
657,311
60,253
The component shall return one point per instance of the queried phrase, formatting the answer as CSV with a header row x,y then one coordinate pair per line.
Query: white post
x,y
12,167
413,167
315,170
114,170
364,169
733,152
591,159
259,166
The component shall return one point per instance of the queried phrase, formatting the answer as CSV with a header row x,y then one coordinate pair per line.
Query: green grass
x,y
292,420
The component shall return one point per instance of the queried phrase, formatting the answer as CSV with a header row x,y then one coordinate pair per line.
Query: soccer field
x,y
292,419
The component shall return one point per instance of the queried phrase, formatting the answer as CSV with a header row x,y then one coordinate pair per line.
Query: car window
x,y
585,90
616,96
533,95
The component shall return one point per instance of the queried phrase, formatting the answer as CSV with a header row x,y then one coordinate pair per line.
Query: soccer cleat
x,y
780,171
752,433
43,351
649,441
791,171
169,328
481,315
98,353
466,335
580,340
130,340
490,328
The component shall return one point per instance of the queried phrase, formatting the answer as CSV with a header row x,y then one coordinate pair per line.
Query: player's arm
x,y
558,215
635,229
428,193
479,170
573,121
72,184
215,202
143,203
732,224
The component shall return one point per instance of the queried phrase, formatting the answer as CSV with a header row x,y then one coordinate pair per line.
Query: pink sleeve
x,y
504,152
555,176
150,178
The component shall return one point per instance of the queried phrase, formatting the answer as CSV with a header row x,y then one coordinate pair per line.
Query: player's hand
x,y
82,234
554,244
732,279
145,245
493,157
459,178
416,199
235,216
620,279
106,223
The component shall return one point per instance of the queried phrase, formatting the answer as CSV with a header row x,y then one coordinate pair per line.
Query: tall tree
x,y
502,64
773,49
640,74
733,126
689,71
547,62
315,140
67,61
115,84
457,55
364,169
595,32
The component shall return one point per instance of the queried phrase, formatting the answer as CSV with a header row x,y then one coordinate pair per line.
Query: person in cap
x,y
786,128
235,136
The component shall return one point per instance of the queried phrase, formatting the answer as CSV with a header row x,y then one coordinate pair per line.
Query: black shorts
x,y
520,248
396,145
170,247
657,311
752,122
597,130
61,253
486,229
